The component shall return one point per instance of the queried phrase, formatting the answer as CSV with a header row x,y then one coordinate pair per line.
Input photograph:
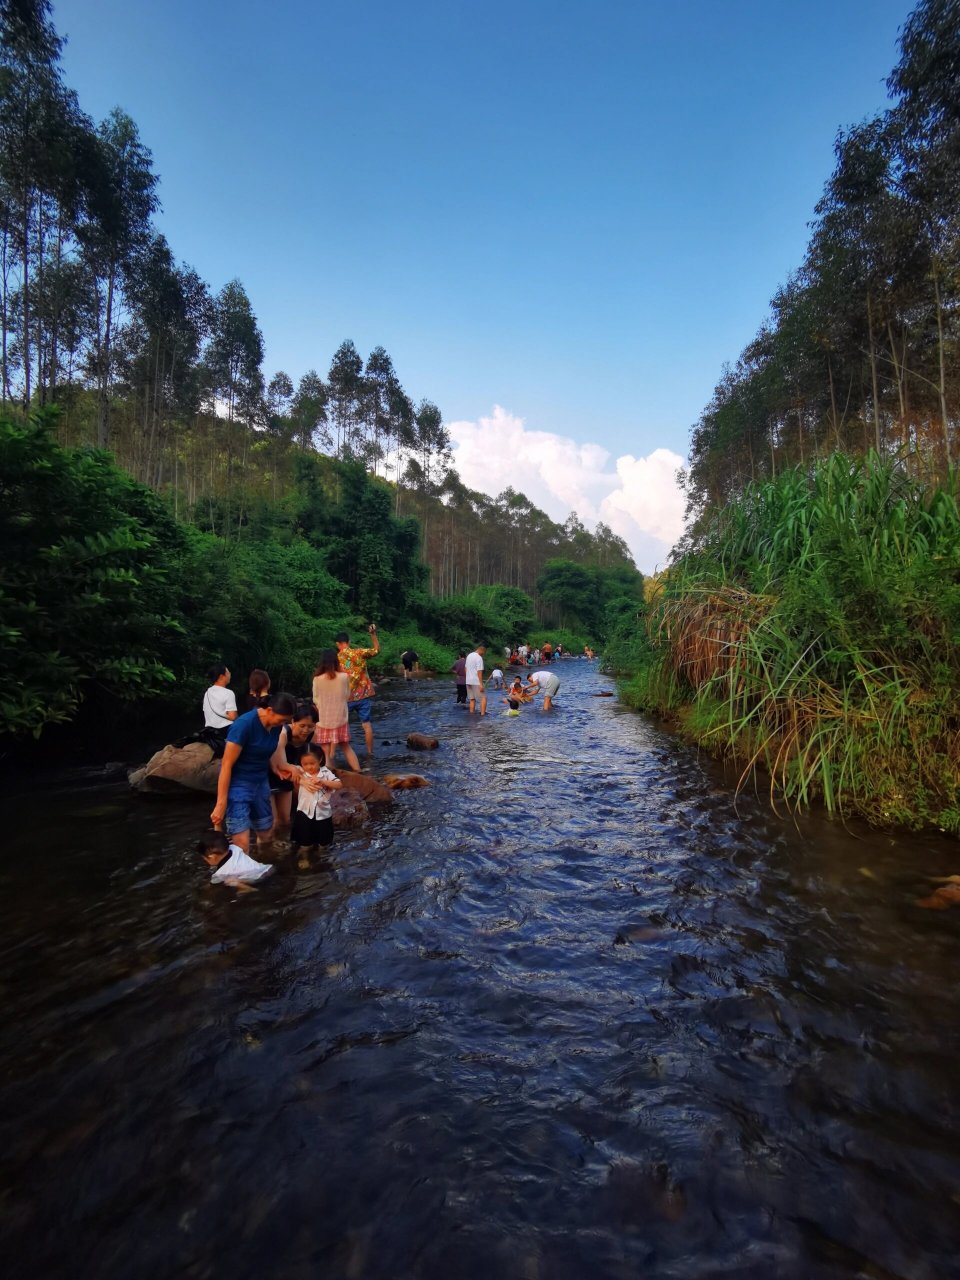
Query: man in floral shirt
x,y
354,663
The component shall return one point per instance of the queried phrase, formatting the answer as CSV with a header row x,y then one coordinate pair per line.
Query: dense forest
x,y
808,628
860,350
166,502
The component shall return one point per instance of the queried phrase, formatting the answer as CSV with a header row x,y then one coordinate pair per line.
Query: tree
x,y
345,384
122,201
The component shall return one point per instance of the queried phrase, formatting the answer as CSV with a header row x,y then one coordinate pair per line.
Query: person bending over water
x,y
243,791
231,865
545,682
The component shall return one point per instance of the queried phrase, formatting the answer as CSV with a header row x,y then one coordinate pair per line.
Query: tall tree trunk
x,y
942,388
103,393
873,372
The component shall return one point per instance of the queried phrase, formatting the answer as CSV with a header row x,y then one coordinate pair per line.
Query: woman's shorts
x,y
248,807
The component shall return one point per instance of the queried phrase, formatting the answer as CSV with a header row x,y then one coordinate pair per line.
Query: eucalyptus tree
x,y
122,201
170,315
927,122
345,383
379,380
308,412
42,136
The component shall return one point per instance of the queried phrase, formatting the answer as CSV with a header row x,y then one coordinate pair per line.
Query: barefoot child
x,y
231,865
313,821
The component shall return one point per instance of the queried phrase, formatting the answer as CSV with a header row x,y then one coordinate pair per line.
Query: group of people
x,y
279,749
279,753
468,676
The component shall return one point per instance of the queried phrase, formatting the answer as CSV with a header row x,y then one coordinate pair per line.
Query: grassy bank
x,y
810,632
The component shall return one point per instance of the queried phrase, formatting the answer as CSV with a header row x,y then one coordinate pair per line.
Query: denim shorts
x,y
362,708
248,807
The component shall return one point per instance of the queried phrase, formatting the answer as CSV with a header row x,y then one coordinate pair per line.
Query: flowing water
x,y
573,1011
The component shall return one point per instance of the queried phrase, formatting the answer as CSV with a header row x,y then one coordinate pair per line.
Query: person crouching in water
x,y
230,864
516,695
313,821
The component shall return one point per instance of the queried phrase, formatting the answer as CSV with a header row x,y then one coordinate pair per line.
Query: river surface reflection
x,y
570,1012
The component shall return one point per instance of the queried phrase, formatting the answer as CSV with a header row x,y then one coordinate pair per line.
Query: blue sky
x,y
574,212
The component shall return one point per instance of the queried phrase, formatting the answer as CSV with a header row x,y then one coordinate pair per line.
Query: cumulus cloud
x,y
637,497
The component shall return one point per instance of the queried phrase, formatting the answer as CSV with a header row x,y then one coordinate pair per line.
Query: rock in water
x,y
171,768
348,809
422,742
404,781
367,788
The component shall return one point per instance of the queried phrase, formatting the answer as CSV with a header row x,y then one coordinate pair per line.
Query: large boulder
x,y
368,788
171,768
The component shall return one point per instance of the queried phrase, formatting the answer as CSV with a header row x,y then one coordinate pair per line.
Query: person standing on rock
x,y
354,663
474,673
219,702
243,790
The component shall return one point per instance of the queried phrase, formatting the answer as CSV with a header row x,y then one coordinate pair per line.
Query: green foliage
x,y
83,595
433,657
814,632
592,599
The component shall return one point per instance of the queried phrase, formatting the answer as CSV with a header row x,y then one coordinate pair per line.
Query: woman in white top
x,y
219,702
331,687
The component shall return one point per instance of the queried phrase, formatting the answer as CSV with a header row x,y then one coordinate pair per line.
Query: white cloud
x,y
637,497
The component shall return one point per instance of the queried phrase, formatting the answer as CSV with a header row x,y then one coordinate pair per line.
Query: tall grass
x,y
814,634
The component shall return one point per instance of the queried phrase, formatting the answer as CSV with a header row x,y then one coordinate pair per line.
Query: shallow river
x,y
573,1011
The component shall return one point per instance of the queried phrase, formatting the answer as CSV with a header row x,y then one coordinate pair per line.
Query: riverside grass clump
x,y
811,630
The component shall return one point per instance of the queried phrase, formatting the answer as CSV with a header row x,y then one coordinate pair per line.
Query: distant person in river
x,y
258,686
331,692
313,821
409,659
231,864
496,678
354,662
243,791
459,670
474,674
544,682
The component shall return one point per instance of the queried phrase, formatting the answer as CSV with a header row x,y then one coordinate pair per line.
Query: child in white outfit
x,y
231,865
313,820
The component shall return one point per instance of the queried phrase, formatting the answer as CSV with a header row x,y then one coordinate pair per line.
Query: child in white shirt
x,y
313,821
231,865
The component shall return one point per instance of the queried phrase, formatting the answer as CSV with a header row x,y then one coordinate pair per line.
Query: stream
x,y
575,1010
